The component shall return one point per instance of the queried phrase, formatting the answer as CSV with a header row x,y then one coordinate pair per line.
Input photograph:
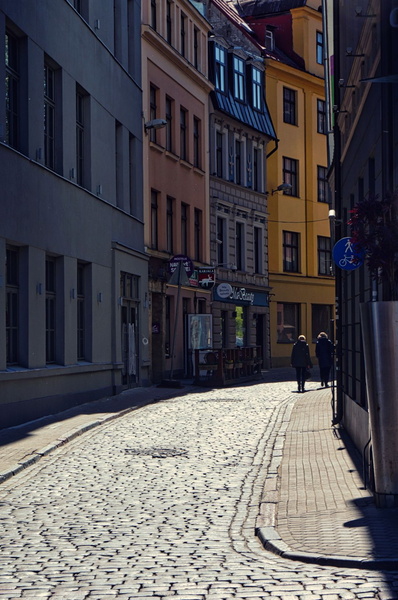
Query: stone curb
x,y
272,542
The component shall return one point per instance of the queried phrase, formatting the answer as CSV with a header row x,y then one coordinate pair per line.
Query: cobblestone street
x,y
163,503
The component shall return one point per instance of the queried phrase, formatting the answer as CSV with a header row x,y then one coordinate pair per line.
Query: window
x,y
196,48
258,249
50,310
220,56
269,40
239,245
12,304
80,136
81,313
183,25
257,88
153,109
319,47
287,322
169,124
154,220
238,162
184,228
196,143
198,234
49,116
257,169
239,78
221,241
290,252
167,333
322,184
170,224
322,315
183,134
321,116
219,154
169,23
290,175
289,106
12,90
324,256
153,14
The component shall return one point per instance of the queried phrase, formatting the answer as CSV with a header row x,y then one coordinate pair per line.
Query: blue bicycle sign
x,y
347,255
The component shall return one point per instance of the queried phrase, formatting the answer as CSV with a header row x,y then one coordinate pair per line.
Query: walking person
x,y
301,360
324,350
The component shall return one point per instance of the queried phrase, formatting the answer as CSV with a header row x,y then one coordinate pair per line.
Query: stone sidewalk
x,y
314,506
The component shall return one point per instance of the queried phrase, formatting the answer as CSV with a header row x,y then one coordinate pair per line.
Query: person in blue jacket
x,y
324,350
301,360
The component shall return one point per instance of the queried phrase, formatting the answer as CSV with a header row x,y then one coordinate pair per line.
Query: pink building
x,y
176,179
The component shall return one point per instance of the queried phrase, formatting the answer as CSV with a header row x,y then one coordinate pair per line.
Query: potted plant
x,y
374,230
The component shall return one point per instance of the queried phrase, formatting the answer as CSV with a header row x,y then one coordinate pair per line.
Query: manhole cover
x,y
157,452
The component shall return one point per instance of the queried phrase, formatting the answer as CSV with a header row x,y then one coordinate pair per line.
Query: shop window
x,y
287,322
322,315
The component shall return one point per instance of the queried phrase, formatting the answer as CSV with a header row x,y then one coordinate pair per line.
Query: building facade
x,y
73,319
241,133
300,273
176,176
363,51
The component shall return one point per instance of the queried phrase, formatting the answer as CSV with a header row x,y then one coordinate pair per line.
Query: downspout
x,y
274,149
338,413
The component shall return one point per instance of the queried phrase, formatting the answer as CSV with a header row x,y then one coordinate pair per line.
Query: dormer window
x,y
221,60
269,40
257,88
239,78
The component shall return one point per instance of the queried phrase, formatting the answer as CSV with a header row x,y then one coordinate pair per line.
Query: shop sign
x,y
186,262
207,278
225,292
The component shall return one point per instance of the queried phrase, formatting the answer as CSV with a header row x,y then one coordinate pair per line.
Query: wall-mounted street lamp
x,y
155,124
231,266
359,12
349,53
283,187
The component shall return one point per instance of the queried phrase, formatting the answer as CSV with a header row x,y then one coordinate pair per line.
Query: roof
x,y
257,8
260,121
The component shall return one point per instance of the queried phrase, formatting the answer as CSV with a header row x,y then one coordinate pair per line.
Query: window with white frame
x,y
221,240
258,168
257,87
240,245
322,184
239,78
238,161
219,158
221,64
258,244
319,47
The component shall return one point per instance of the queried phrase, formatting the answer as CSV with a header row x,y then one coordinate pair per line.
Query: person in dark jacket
x,y
301,360
324,352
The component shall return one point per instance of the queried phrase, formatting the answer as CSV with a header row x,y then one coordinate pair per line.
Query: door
x,y
129,344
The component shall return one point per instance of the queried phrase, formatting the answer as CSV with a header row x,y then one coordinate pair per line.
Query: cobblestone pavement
x,y
163,503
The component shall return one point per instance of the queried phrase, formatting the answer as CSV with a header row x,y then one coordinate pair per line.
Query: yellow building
x,y
299,232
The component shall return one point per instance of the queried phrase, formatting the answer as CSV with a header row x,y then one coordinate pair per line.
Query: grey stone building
x,y
240,134
73,274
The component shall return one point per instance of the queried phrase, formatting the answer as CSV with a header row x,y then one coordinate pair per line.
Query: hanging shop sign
x,y
186,262
206,277
241,296
347,255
